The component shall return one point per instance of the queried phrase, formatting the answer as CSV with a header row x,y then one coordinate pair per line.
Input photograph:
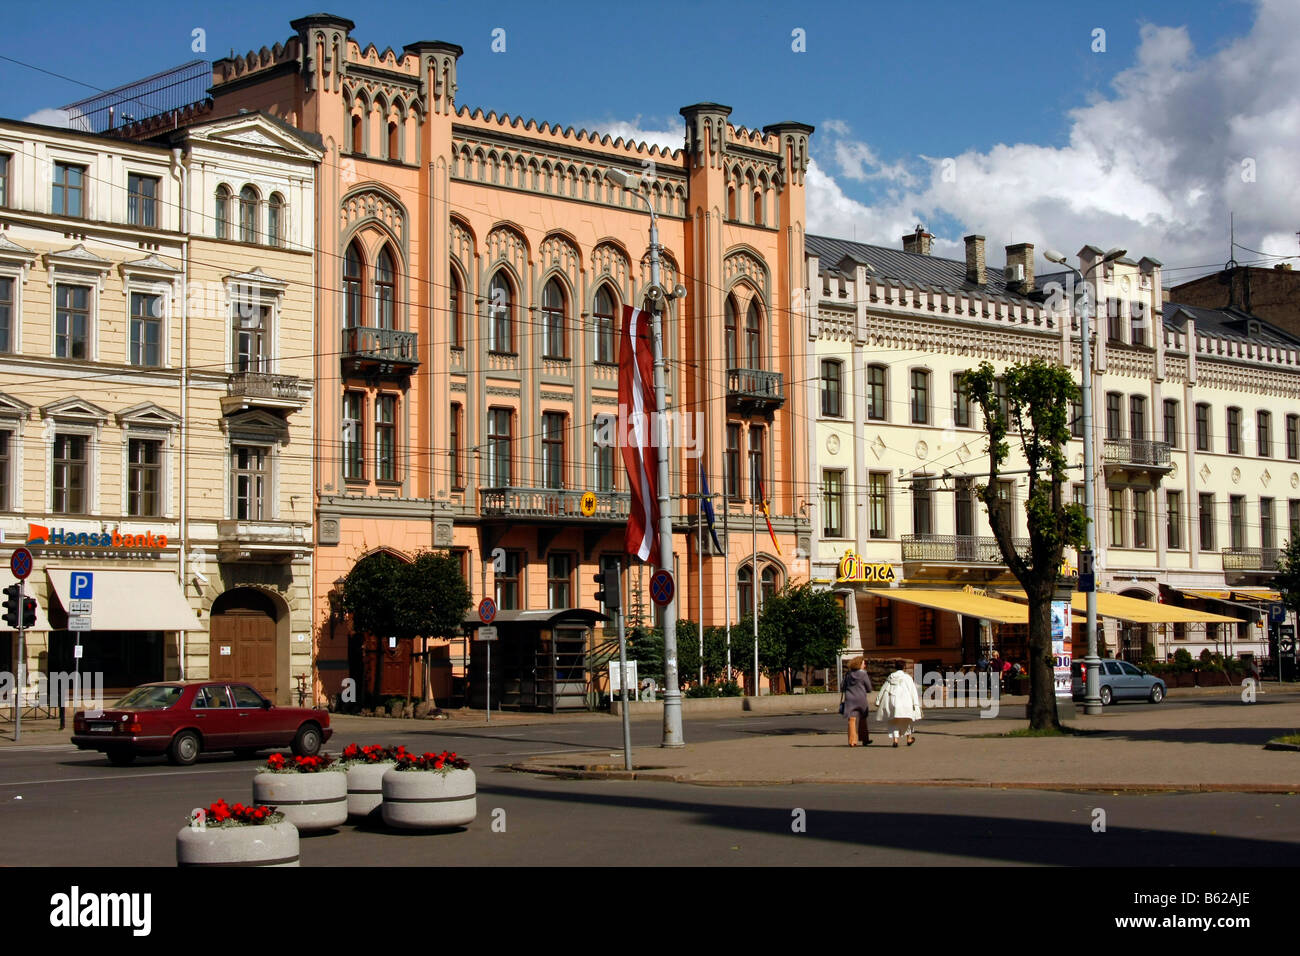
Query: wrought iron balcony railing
x,y
262,385
566,503
391,348
1250,559
1136,451
754,389
956,548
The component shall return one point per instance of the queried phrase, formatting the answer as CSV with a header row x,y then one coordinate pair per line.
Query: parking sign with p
x,y
81,584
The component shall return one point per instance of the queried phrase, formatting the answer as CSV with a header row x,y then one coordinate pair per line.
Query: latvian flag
x,y
636,399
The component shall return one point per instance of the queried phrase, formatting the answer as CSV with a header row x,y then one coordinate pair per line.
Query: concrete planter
x,y
429,799
274,844
365,787
310,801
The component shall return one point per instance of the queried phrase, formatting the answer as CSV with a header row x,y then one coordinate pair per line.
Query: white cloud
x,y
50,117
636,131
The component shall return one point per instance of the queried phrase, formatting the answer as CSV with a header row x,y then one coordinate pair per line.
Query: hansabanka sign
x,y
42,536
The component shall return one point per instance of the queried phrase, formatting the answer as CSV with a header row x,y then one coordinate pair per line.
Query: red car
x,y
185,718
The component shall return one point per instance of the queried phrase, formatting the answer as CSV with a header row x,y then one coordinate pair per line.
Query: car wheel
x,y
119,758
1106,697
307,743
1157,694
185,748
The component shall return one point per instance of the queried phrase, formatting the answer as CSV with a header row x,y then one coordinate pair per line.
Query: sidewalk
x,y
1128,748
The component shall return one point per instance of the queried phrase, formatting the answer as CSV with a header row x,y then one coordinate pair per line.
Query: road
x,y
76,810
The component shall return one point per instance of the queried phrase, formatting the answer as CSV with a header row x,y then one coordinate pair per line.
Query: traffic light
x,y
11,606
29,612
608,579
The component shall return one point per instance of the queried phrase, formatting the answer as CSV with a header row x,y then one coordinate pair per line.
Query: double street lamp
x,y
672,691
1092,695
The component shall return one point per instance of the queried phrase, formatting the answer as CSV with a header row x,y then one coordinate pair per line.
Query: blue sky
x,y
1013,94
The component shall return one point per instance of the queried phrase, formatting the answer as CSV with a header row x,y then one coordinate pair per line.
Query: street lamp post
x,y
1092,692
672,691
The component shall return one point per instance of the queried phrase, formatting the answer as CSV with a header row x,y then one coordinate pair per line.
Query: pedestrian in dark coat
x,y
857,688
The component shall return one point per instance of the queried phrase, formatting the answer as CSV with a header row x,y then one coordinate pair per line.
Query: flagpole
x,y
726,574
753,577
699,547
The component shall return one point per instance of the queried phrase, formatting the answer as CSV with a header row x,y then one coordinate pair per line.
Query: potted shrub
x,y
429,791
311,792
365,768
224,835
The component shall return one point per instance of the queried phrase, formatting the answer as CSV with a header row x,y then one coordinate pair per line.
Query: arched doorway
x,y
243,640
1135,637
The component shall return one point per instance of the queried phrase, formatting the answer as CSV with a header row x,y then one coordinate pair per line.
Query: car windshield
x,y
151,698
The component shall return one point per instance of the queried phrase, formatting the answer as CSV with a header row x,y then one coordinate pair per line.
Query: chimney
x,y
918,242
1022,255
975,272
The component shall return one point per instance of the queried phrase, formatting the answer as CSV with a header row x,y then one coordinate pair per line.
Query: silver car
x,y
1120,680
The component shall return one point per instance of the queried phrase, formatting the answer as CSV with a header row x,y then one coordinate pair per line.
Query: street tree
x,y
1033,401
799,627
1287,578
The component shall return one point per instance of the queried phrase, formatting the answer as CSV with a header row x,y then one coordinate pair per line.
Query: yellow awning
x,y
1208,595
128,600
1256,594
1136,610
959,602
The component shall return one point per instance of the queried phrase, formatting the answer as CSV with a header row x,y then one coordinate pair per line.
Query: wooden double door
x,y
243,641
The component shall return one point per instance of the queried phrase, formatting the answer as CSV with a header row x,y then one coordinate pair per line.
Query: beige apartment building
x,y
155,399
1195,427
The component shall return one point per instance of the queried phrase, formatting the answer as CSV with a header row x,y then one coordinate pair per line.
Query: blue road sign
x,y
82,586
1277,613
662,588
487,610
20,563
1087,582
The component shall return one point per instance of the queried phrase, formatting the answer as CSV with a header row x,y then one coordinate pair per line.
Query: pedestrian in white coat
x,y
898,704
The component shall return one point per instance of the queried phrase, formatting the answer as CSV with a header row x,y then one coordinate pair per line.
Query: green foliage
x,y
1287,579
715,651
1182,661
722,689
645,645
800,626
390,598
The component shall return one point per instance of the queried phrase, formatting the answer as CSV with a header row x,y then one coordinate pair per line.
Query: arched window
x,y
605,325
554,344
223,212
353,283
758,208
248,200
394,152
729,333
745,590
385,281
753,337
454,297
358,135
771,581
500,315
275,220
731,202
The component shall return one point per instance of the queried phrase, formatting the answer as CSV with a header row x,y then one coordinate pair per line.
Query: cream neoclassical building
x,y
1196,435
155,399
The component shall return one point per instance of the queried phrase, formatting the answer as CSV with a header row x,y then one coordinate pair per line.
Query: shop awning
x,y
129,600
1137,611
959,602
1229,595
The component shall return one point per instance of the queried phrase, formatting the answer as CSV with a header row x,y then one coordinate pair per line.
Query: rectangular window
x,y
146,329
1076,417
1264,433
1234,431
960,401
498,448
1293,436
964,507
1141,518
72,321
1078,494
354,413
1137,417
252,325
6,468
1293,519
553,450
69,479
878,503
1138,322
5,159
559,581
250,481
1206,514
1114,320
457,474
1171,422
833,504
926,631
877,407
1114,422
142,200
884,621
6,314
1174,519
1117,518
68,198
1237,522
832,404
1202,427
386,438
922,507
920,397
731,463
144,478
1267,531
509,582
757,460
603,452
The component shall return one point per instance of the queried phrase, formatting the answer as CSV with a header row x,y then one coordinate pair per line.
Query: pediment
x,y
256,132
73,407
11,252
12,408
256,278
256,424
78,257
150,265
147,415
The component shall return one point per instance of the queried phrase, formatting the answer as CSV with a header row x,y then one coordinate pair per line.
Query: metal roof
x,y
914,268
1228,324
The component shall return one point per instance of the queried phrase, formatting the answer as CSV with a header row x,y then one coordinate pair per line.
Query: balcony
x,y
553,505
1250,559
276,542
751,390
245,390
956,549
382,352
1136,455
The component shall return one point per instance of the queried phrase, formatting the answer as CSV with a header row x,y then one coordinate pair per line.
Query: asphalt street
x,y
59,806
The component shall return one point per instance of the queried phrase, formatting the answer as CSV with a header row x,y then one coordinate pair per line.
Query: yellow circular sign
x,y
588,504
